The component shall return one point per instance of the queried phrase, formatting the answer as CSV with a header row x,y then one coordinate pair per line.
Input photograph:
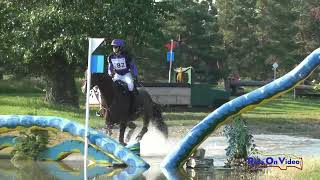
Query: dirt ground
x,y
305,129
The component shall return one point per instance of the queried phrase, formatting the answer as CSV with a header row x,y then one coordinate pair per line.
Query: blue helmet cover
x,y
118,42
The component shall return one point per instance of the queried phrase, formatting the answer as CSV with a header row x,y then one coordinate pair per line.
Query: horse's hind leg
x,y
132,127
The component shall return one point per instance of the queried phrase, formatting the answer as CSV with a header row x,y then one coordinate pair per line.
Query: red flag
x,y
168,45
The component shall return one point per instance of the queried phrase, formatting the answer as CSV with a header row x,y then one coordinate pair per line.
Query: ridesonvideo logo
x,y
282,161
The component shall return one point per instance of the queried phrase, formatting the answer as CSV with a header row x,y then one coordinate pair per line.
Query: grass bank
x,y
311,170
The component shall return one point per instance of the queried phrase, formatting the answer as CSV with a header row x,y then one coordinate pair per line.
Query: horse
x,y
118,109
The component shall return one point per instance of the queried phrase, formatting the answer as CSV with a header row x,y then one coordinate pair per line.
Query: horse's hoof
x,y
138,138
123,143
127,139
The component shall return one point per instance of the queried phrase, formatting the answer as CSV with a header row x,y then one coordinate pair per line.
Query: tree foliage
x,y
277,30
195,26
49,38
258,33
238,20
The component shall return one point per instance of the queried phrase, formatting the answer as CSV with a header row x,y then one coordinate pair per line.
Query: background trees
x,y
238,21
200,43
49,39
258,33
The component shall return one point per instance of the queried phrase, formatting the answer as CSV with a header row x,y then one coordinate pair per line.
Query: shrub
x,y
29,145
240,143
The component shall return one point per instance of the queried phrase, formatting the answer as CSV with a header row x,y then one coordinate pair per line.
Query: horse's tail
x,y
158,119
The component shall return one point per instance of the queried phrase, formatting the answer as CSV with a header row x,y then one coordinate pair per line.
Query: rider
x,y
123,66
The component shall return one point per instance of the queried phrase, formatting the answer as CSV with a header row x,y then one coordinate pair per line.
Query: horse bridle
x,y
98,98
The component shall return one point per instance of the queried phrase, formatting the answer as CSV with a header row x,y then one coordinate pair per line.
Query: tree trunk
x,y
61,87
1,73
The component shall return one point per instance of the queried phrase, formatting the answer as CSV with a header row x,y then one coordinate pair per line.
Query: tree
x,y
277,30
309,25
49,38
238,22
309,29
195,26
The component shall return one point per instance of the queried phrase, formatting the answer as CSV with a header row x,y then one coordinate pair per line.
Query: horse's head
x,y
97,79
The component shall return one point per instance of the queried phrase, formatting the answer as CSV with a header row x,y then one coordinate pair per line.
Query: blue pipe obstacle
x,y
111,150
60,151
227,111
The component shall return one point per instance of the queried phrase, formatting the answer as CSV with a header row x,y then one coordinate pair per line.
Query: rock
x,y
199,154
199,163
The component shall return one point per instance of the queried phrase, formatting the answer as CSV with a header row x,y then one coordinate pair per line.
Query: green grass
x,y
311,170
26,97
287,108
10,86
34,104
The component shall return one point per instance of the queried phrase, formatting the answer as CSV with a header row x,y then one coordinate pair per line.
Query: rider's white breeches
x,y
127,78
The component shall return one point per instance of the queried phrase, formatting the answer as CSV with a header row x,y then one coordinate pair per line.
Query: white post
x,y
93,44
171,47
87,112
275,66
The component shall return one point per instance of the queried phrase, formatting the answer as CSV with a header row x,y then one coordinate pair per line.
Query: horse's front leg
x,y
109,129
132,127
141,134
123,126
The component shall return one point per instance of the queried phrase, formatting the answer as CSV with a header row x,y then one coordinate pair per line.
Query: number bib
x,y
119,64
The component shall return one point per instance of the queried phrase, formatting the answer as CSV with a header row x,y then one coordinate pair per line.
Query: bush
x,y
29,145
240,142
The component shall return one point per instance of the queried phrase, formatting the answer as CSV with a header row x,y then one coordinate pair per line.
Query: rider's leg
x,y
116,77
128,79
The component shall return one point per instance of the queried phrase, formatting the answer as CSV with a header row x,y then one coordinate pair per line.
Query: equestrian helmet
x,y
118,42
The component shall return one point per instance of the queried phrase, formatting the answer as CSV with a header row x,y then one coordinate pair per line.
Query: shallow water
x,y
272,144
72,168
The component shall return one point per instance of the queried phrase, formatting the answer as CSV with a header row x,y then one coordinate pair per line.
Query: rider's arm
x,y
110,67
134,69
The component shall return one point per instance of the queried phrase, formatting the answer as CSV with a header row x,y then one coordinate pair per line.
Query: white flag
x,y
95,42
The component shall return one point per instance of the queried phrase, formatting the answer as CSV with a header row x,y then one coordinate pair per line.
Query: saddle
x,y
124,88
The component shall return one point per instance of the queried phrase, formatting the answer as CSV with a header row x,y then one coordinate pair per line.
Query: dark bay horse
x,y
117,107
